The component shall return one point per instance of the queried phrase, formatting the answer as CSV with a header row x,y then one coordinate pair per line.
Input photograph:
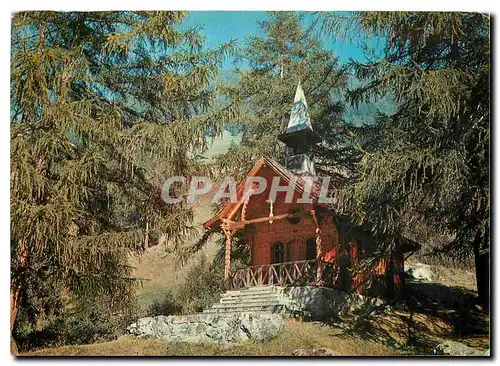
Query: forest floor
x,y
440,308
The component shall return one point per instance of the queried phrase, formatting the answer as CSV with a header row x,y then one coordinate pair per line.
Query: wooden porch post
x,y
227,267
319,250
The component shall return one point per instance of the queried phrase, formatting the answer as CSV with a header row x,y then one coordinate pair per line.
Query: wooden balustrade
x,y
298,273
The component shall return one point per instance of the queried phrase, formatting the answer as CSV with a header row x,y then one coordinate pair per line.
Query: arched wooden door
x,y
311,248
277,252
277,256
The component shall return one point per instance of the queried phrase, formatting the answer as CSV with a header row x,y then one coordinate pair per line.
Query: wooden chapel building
x,y
300,241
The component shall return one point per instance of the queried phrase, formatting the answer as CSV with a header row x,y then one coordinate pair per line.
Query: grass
x,y
442,312
362,333
297,334
397,333
449,275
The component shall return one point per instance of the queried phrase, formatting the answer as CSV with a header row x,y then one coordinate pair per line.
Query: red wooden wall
x,y
345,247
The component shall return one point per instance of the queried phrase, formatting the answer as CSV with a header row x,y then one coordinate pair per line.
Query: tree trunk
x,y
14,308
16,291
482,264
146,236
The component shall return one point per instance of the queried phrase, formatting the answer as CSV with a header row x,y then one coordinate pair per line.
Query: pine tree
x,y
429,161
104,107
289,52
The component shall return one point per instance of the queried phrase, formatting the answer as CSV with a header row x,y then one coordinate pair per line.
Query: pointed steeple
x,y
299,117
299,131
299,136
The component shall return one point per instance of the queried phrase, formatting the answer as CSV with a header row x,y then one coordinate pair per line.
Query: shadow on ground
x,y
430,313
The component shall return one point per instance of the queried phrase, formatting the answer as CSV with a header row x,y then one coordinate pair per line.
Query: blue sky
x,y
221,26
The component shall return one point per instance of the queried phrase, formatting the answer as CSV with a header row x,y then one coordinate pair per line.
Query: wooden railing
x,y
298,273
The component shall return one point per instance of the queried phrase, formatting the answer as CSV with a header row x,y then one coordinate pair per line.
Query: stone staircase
x,y
265,299
297,301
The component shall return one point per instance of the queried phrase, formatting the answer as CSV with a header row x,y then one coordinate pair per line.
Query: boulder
x,y
209,328
453,348
320,303
419,271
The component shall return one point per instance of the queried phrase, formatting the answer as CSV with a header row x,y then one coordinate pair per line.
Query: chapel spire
x,y
299,137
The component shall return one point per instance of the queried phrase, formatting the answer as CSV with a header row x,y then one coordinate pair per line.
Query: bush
x,y
81,323
203,286
106,318
90,325
168,306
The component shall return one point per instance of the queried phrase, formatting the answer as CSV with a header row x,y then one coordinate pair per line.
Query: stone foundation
x,y
321,303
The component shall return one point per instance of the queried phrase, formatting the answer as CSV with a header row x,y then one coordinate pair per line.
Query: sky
x,y
222,26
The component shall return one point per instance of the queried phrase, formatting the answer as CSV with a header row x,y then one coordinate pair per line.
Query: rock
x,y
419,271
453,348
314,352
320,303
223,329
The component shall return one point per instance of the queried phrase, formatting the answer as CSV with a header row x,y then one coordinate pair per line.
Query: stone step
x,y
260,288
250,291
249,300
260,299
223,312
245,309
256,309
249,297
245,305
231,293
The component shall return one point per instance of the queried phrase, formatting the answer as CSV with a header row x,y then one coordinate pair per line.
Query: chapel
x,y
299,242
